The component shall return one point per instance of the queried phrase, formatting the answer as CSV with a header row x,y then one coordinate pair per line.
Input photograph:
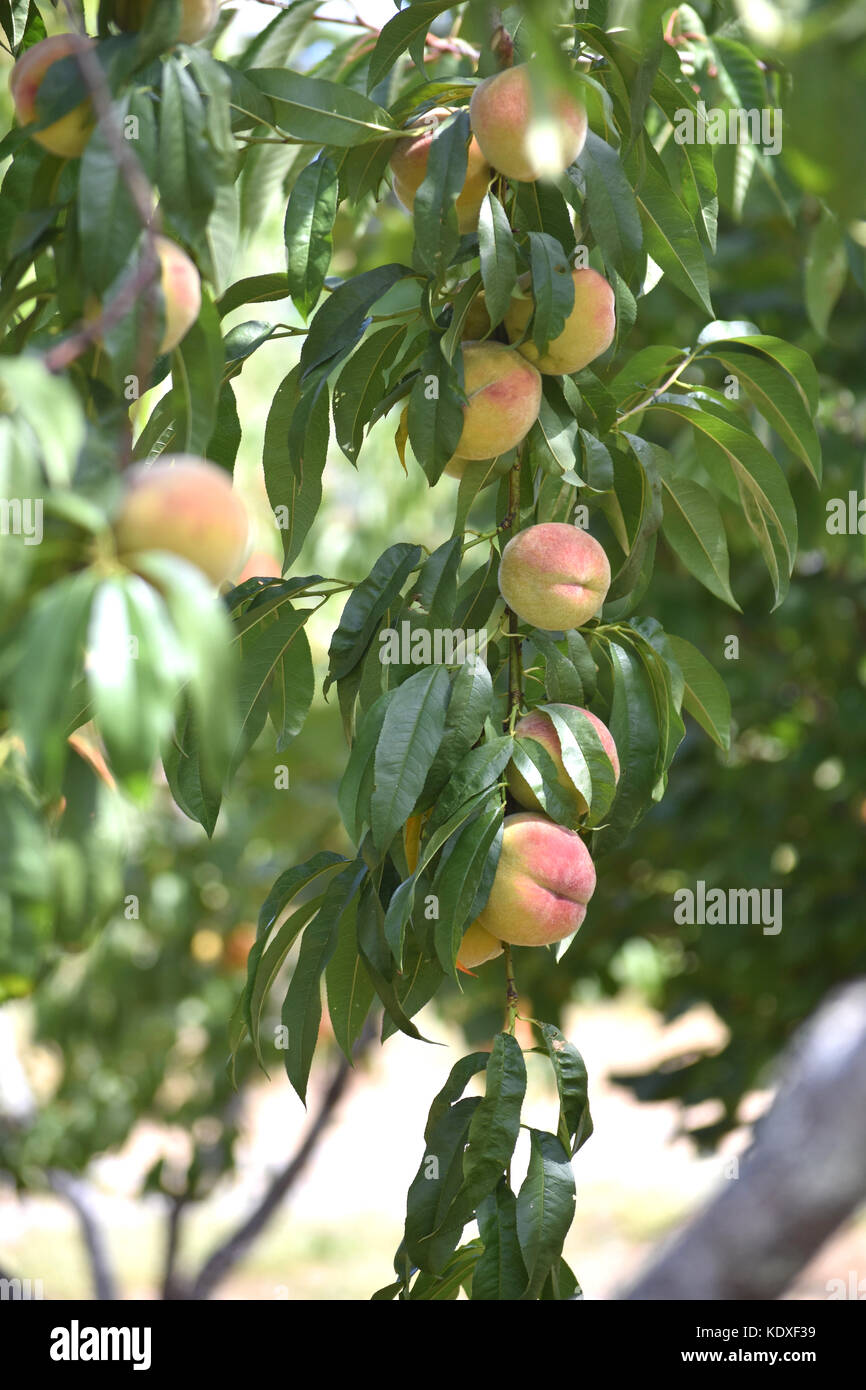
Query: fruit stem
x,y
515,659
511,995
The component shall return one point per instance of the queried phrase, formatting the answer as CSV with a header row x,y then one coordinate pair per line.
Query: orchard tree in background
x,y
511,706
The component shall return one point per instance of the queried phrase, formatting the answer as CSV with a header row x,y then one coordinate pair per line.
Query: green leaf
x,y
552,288
479,770
793,359
356,786
610,204
493,1129
634,726
308,227
500,1274
569,1069
361,385
302,1008
366,605
435,418
294,498
463,880
545,1208
349,989
705,696
693,528
583,757
320,112
431,1233
761,484
780,402
670,237
434,209
399,34
187,177
411,735
276,673
254,289
108,221
342,318
826,271
468,707
498,264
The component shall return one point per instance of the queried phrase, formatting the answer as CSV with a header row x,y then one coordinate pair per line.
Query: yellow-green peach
x,y
543,882
198,17
539,726
409,167
185,506
588,332
554,576
504,397
505,123
477,947
68,136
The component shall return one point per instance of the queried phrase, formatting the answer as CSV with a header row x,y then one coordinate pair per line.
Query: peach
x,y
554,576
409,166
588,332
260,565
539,726
188,507
68,136
181,288
503,113
504,397
477,947
198,17
544,880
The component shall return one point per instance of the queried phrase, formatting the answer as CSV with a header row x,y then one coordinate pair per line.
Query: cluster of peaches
x,y
502,381
552,576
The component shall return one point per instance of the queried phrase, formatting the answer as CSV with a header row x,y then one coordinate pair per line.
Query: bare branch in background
x,y
804,1174
227,1255
77,1195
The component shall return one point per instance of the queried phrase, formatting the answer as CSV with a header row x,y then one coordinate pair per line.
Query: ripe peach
x,y
544,880
588,332
502,114
539,726
554,576
504,394
68,136
188,507
197,19
477,947
260,565
409,166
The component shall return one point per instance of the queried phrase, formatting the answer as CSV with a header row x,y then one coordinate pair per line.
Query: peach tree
x,y
511,707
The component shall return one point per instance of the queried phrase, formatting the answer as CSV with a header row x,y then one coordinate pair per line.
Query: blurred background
x,y
115,1071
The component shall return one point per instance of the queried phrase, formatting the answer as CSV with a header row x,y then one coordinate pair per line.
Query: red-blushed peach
x,y
589,329
543,882
505,120
539,726
409,167
554,576
68,136
503,400
187,507
260,565
198,17
477,947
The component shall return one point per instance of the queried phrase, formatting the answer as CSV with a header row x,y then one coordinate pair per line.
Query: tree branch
x,y
804,1174
77,1195
227,1255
